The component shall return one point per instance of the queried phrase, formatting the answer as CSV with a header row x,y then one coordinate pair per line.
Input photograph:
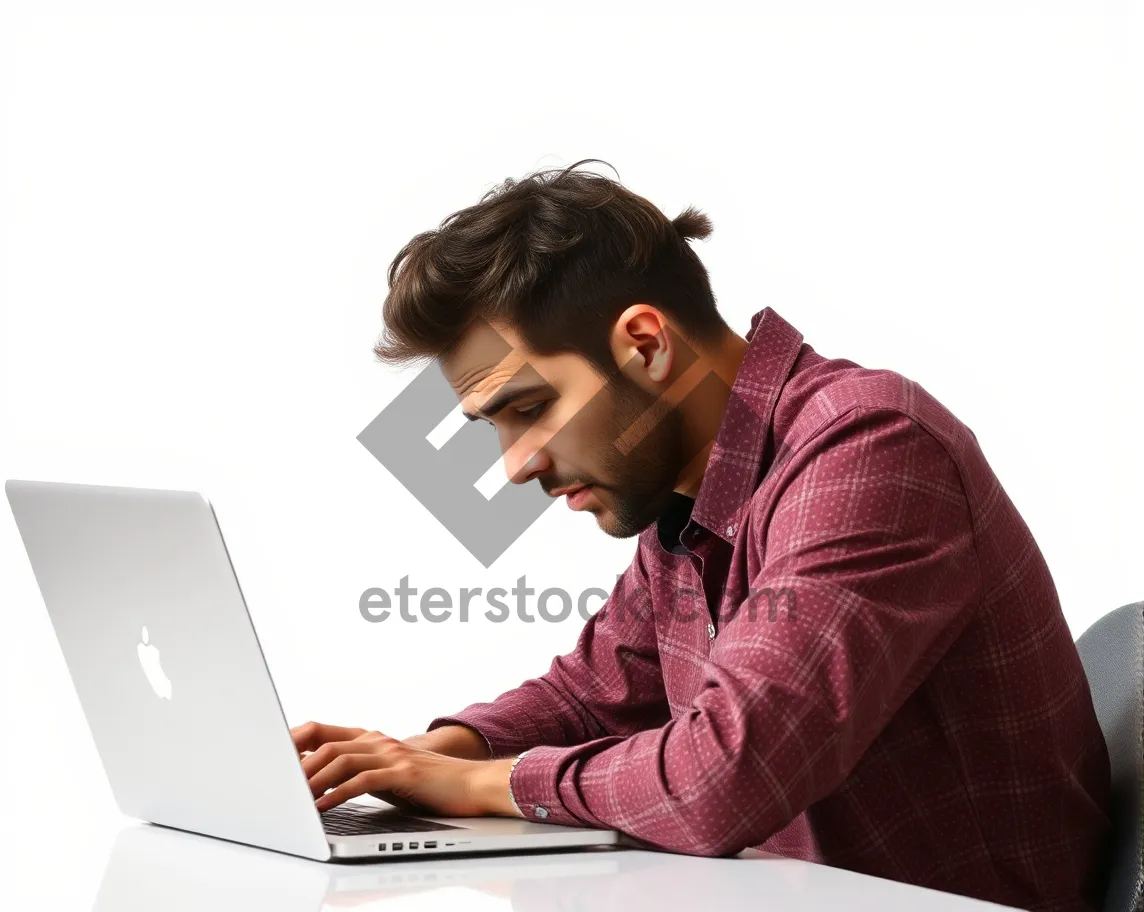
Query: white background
x,y
198,211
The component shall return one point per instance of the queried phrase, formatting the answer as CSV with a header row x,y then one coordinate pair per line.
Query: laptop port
x,y
381,846
431,845
412,845
398,845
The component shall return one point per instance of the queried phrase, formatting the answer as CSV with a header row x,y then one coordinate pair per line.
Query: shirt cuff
x,y
511,797
533,786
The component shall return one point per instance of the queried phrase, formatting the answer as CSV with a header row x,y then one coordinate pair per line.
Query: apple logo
x,y
149,659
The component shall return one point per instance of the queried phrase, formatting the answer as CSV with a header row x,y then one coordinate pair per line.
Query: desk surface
x,y
150,868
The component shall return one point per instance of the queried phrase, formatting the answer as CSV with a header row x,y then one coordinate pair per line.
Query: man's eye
x,y
533,411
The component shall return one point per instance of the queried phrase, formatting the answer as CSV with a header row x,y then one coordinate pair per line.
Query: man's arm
x,y
609,685
872,532
453,741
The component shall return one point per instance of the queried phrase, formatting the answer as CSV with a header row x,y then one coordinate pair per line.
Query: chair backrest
x,y
1112,651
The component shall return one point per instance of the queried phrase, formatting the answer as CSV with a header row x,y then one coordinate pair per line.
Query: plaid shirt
x,y
858,658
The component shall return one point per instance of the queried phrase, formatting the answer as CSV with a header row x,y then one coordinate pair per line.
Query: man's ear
x,y
643,345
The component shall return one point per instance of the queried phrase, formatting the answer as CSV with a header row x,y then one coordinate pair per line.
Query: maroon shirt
x,y
915,710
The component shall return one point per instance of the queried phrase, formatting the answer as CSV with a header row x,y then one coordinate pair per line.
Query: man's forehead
x,y
485,358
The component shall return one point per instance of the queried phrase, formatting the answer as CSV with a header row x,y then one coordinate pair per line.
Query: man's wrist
x,y
491,790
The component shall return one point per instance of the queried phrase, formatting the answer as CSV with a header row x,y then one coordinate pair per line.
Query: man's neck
x,y
704,408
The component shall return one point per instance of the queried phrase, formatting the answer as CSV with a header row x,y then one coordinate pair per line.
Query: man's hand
x,y
343,763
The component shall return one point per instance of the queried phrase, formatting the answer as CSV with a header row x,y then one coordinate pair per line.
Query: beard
x,y
638,480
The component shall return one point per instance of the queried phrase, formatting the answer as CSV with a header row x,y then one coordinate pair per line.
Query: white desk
x,y
151,868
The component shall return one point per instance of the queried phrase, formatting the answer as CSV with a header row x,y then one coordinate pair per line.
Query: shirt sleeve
x,y
609,685
871,531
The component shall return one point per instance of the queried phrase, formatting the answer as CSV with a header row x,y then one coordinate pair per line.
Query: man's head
x,y
565,310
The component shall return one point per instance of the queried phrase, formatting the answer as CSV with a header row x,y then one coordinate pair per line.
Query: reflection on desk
x,y
155,868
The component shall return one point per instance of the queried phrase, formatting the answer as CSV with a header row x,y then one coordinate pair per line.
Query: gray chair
x,y
1112,651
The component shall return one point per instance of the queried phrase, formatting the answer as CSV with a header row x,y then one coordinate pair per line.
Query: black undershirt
x,y
673,521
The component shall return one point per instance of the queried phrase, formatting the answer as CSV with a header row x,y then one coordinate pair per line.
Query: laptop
x,y
160,646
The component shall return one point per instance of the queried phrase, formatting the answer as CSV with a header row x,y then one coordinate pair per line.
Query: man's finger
x,y
370,781
312,735
342,769
330,751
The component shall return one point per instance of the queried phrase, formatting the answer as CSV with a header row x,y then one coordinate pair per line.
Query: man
x,y
837,640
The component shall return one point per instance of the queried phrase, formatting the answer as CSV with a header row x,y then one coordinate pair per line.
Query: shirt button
x,y
541,812
710,631
731,529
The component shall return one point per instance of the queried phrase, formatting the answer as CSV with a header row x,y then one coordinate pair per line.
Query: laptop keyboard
x,y
348,820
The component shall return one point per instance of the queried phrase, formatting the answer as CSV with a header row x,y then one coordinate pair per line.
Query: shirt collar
x,y
735,464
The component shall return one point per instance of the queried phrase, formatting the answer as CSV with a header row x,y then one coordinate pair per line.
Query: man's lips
x,y
577,495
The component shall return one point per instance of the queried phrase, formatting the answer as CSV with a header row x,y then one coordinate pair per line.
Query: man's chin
x,y
618,525
609,524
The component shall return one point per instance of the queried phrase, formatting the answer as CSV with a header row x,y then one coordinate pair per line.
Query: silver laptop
x,y
155,632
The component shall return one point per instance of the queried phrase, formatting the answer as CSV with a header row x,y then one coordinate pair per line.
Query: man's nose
x,y
522,462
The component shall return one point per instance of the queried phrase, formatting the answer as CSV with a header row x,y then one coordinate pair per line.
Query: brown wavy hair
x,y
558,255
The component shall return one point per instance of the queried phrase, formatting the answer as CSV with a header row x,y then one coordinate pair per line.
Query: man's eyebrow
x,y
506,395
